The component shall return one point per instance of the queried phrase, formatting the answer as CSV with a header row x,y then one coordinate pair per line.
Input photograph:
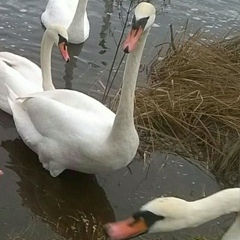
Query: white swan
x,y
25,77
70,130
169,214
72,15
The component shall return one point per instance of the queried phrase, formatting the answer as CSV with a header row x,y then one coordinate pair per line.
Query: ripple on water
x,y
23,10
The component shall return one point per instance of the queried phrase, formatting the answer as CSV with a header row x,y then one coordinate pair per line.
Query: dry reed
x,y
192,103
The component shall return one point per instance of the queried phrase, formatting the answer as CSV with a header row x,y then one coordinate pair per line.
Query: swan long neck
x,y
46,51
78,18
216,205
124,120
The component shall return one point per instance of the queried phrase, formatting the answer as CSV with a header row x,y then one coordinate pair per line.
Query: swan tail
x,y
20,116
11,95
7,96
13,98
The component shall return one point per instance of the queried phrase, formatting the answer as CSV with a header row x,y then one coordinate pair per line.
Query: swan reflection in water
x,y
74,51
73,205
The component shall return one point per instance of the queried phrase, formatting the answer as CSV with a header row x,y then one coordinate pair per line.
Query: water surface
x,y
34,205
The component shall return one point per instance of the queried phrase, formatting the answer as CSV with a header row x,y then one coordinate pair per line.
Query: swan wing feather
x,y
87,123
25,67
17,82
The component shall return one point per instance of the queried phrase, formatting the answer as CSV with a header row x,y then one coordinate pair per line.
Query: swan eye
x,y
149,217
62,40
136,24
134,20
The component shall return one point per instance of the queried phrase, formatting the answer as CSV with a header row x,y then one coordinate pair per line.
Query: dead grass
x,y
192,103
81,228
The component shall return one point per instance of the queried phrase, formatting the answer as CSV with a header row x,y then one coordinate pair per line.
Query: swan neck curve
x,y
78,19
216,205
46,52
124,120
234,231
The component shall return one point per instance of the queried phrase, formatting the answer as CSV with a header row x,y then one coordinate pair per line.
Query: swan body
x,y
70,130
25,77
72,15
170,214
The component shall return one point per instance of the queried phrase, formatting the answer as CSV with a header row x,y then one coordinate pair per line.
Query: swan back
x,y
22,65
20,74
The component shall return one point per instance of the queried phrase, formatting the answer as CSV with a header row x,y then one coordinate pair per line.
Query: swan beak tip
x,y
126,50
132,39
125,229
64,51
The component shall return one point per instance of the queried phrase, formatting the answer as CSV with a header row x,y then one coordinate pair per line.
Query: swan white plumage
x,y
22,75
72,15
70,130
169,214
25,77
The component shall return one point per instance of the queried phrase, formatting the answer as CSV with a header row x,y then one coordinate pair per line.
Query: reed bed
x,y
191,105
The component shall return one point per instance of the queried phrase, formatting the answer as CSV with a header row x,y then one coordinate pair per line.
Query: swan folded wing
x,y
57,121
22,65
78,101
15,81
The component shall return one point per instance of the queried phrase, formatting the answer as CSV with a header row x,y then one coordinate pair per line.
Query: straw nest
x,y
191,105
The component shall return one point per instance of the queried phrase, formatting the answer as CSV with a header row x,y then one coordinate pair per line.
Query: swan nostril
x,y
106,228
126,49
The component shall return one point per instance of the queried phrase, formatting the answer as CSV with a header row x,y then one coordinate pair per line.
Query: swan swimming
x,y
70,130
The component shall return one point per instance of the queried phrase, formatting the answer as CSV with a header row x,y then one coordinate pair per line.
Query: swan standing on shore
x,y
25,77
70,130
72,15
169,214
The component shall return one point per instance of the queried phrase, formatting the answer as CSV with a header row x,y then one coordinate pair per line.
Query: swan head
x,y
58,34
143,18
158,215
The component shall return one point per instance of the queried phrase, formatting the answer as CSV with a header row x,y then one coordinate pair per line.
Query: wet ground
x,y
34,205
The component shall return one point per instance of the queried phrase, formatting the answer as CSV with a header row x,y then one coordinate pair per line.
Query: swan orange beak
x,y
125,229
63,49
132,39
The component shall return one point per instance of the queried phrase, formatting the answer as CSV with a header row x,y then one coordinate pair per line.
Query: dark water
x,y
34,205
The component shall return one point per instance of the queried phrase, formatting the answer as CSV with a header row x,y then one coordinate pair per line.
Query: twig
x,y
105,95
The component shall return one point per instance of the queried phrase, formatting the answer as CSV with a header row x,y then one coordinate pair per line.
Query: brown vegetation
x,y
192,103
